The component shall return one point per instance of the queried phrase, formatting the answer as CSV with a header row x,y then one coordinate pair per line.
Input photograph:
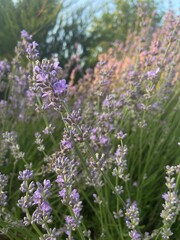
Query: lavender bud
x,y
25,175
3,184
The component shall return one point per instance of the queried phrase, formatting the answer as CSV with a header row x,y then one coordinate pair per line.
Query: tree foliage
x,y
36,17
115,23
66,28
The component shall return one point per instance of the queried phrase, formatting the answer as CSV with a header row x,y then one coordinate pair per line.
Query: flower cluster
x,y
30,47
132,220
42,214
39,142
71,198
26,187
46,77
11,139
3,184
96,167
4,69
120,163
171,207
36,197
73,221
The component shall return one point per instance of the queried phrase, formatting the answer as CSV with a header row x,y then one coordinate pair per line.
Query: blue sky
x,y
164,4
175,3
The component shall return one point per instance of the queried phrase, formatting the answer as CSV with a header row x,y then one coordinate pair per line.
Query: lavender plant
x,y
87,160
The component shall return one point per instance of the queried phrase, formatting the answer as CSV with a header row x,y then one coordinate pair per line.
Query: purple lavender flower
x,y
60,180
42,192
63,194
24,34
47,184
66,169
166,233
121,152
74,197
42,214
93,138
3,198
49,129
27,188
60,87
4,68
132,220
3,106
77,210
132,215
103,140
153,73
96,169
120,135
71,222
25,175
32,52
46,75
46,208
135,235
120,162
27,200
93,135
3,184
66,144
171,206
37,197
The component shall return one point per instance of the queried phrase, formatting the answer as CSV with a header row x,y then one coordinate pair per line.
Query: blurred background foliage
x,y
67,28
37,17
115,23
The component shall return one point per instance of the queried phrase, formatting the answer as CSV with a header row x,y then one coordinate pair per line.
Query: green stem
x,y
45,120
33,225
12,176
158,234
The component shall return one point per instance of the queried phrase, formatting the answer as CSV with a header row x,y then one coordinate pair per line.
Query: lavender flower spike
x,y
3,184
60,87
25,175
171,207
